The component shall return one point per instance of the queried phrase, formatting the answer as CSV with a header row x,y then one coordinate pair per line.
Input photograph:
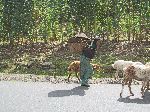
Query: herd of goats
x,y
130,70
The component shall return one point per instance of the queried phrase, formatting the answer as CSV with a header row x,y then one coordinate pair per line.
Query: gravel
x,y
58,79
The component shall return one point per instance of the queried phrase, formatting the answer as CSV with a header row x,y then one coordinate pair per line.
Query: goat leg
x,y
124,82
77,75
69,77
144,85
148,86
129,85
121,90
116,75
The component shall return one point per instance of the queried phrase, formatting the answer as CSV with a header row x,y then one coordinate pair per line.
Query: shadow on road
x,y
79,90
144,100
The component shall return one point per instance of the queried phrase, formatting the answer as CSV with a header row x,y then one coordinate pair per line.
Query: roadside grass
x,y
61,61
61,65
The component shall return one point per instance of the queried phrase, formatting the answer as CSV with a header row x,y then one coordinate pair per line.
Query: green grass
x,y
61,63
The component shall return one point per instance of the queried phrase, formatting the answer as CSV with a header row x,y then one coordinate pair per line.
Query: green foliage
x,y
62,18
17,18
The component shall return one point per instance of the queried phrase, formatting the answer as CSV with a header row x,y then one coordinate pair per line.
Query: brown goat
x,y
74,67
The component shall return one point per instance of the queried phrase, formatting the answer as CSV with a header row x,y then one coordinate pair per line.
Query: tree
x,y
17,18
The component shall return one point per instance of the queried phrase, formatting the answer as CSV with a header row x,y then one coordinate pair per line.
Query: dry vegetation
x,y
54,58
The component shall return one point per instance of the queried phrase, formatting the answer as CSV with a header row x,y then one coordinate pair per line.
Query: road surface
x,y
46,97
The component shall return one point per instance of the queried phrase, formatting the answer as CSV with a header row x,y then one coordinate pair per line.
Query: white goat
x,y
119,65
138,72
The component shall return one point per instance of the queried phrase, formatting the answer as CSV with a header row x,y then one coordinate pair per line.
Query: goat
x,y
120,64
75,67
137,72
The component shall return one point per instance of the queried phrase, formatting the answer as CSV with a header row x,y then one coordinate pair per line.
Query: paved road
x,y
46,97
